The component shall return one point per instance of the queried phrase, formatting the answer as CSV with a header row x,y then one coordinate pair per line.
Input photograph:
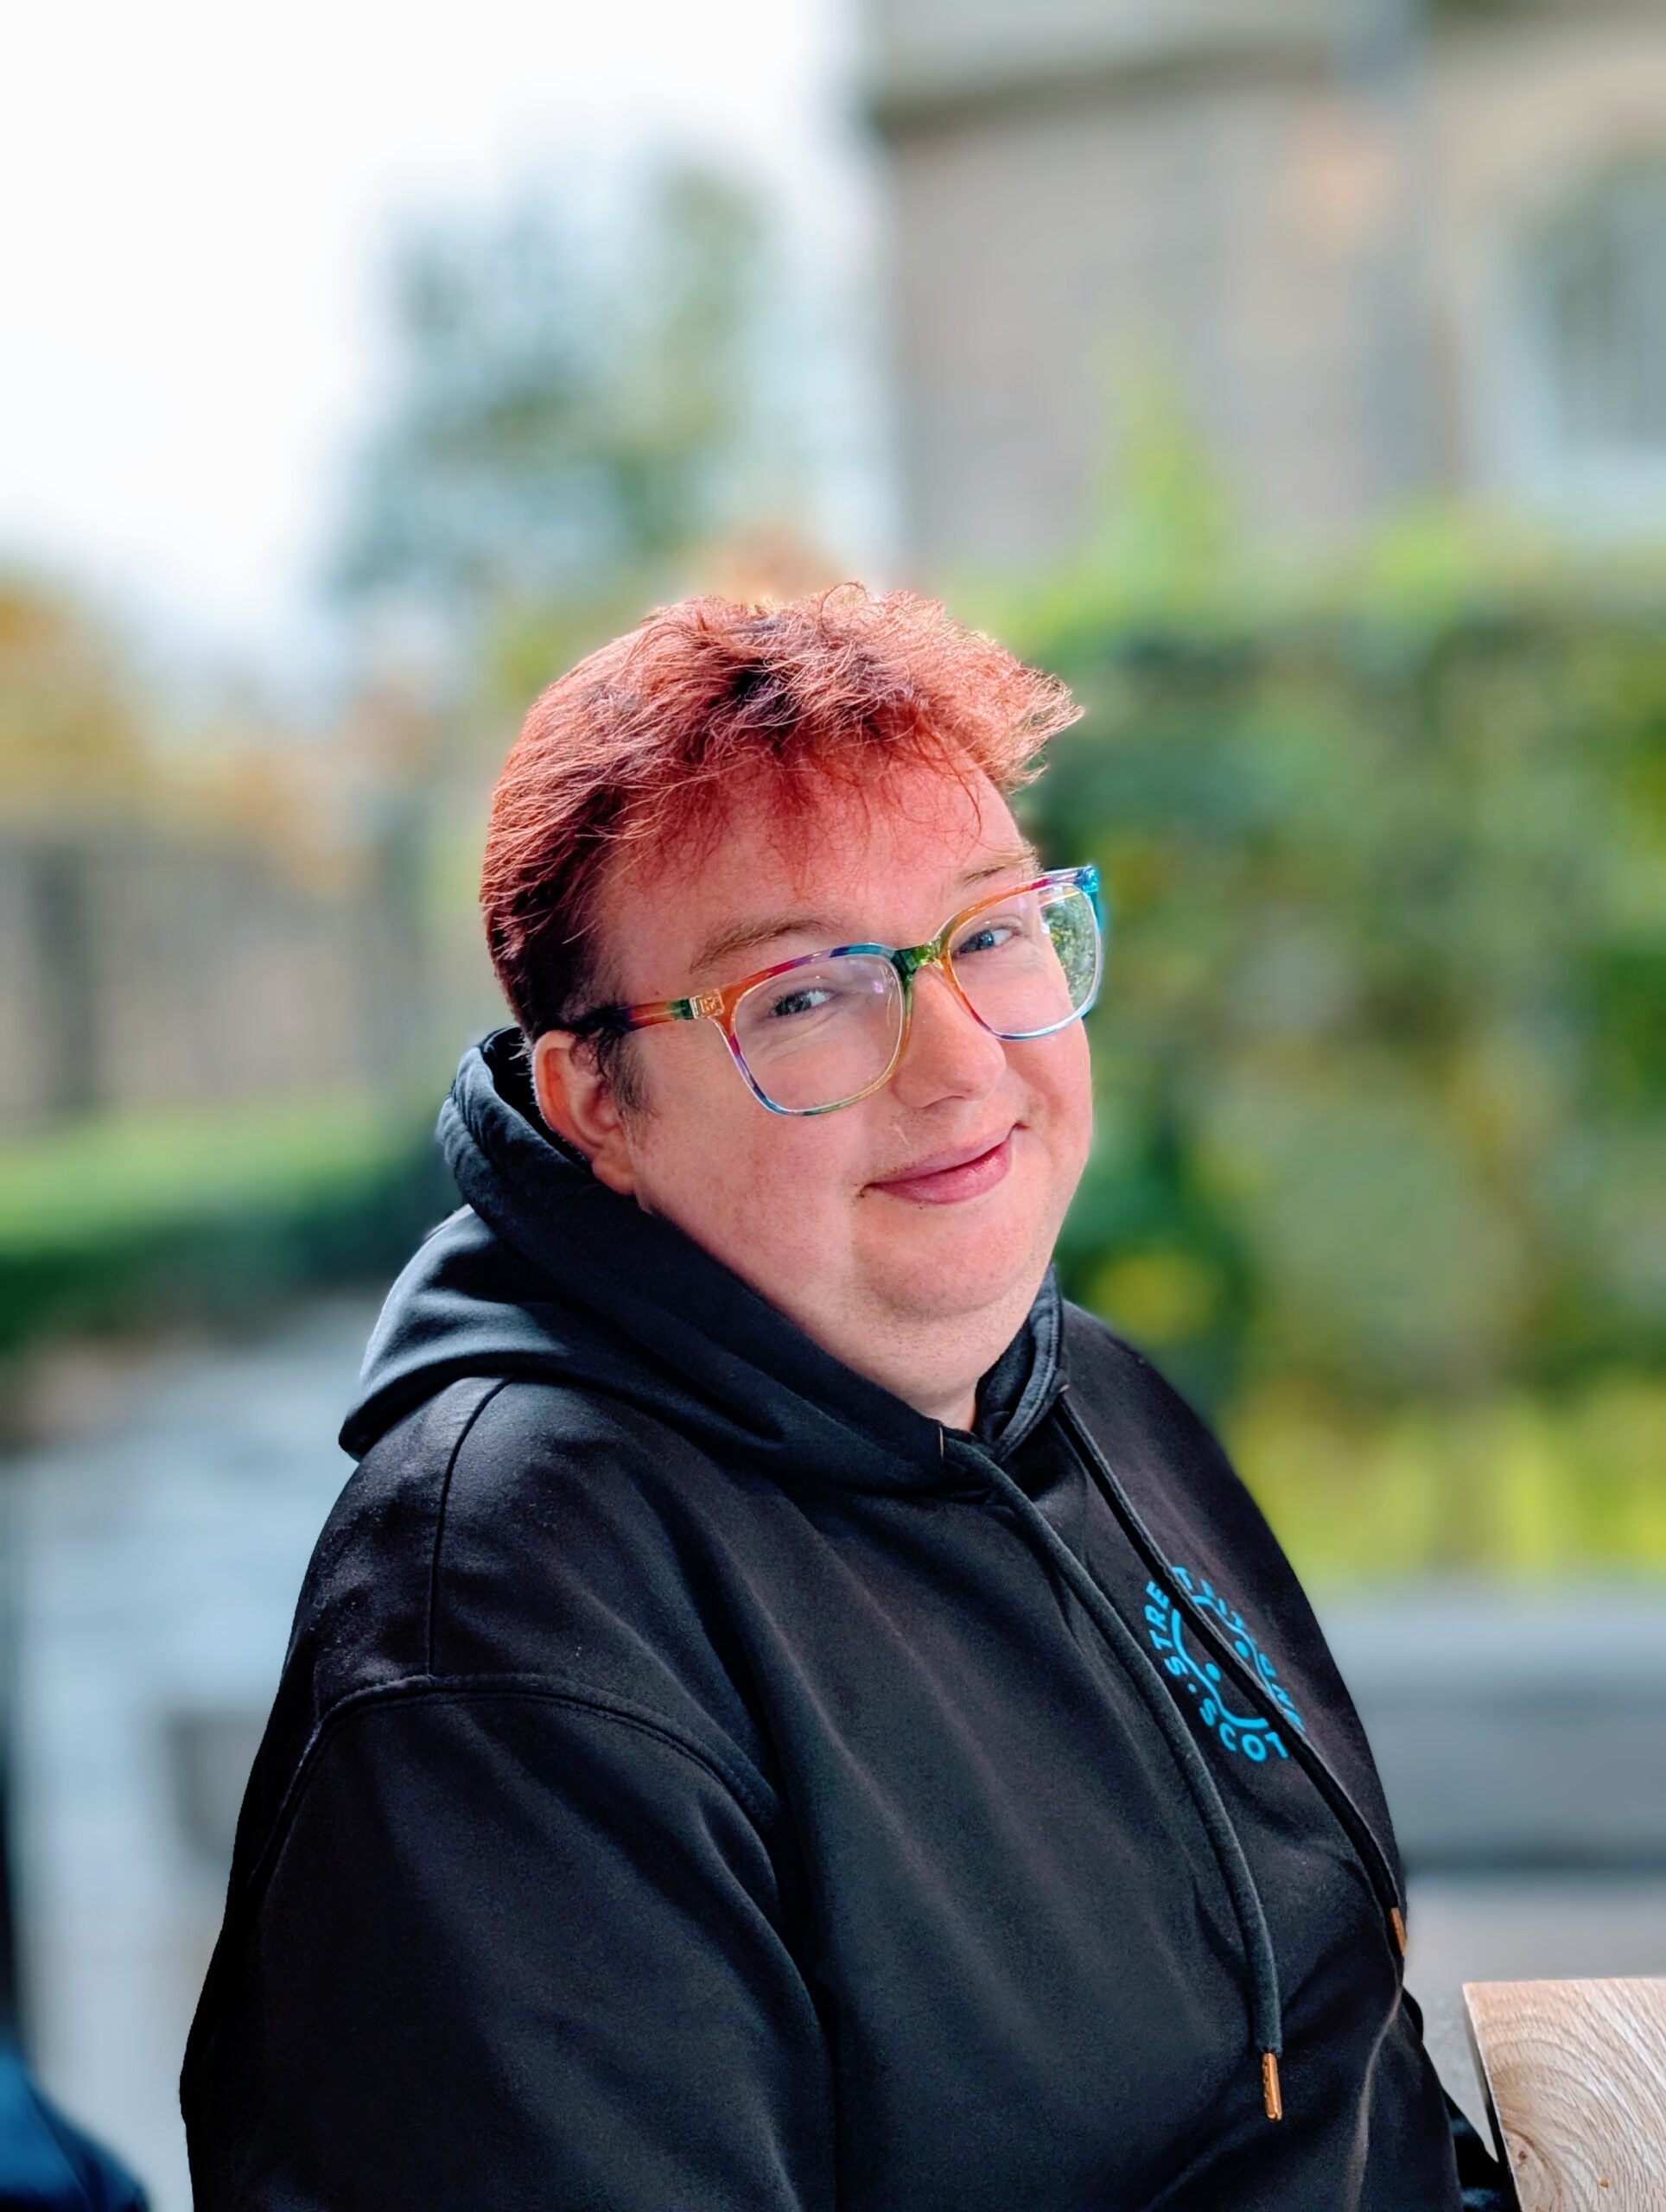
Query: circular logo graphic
x,y
1252,1734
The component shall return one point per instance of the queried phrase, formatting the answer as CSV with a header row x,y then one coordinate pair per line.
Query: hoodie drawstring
x,y
1324,1776
1265,2013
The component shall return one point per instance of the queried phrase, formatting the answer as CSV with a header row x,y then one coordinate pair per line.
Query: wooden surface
x,y
1575,2073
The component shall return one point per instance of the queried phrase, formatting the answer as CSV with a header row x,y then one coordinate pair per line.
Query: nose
x,y
949,1053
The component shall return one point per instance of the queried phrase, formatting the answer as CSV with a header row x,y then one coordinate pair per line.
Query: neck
x,y
954,1409
934,1367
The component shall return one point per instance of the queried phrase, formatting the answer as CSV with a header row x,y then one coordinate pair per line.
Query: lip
x,y
949,1176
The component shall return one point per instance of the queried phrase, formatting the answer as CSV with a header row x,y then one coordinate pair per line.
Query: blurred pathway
x,y
156,1560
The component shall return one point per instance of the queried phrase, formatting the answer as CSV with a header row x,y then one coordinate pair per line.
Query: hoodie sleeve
x,y
518,1948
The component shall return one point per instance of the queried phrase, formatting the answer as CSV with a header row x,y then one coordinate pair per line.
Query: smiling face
x,y
906,1233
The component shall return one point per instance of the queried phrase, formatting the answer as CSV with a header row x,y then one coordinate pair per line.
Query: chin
x,y
980,1268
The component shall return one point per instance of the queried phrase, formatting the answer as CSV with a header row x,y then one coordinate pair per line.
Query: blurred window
x,y
1594,292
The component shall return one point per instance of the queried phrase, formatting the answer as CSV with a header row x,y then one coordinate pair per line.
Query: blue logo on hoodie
x,y
1252,1734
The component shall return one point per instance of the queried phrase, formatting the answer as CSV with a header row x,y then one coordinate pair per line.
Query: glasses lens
x,y
1032,963
821,1032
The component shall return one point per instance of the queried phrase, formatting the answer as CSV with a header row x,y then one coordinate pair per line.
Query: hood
x,y
545,1272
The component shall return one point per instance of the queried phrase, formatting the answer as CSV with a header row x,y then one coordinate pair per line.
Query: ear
x,y
577,1103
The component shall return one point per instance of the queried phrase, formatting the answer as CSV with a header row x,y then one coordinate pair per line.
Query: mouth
x,y
948,1178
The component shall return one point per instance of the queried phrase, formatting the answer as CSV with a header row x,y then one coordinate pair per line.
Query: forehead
x,y
885,860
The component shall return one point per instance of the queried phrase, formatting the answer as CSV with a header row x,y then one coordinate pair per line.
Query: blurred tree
x,y
598,400
568,413
74,725
1380,1053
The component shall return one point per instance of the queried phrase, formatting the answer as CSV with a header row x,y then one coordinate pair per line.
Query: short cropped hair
x,y
637,744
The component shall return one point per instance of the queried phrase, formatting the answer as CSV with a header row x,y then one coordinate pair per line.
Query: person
x,y
47,2164
789,1715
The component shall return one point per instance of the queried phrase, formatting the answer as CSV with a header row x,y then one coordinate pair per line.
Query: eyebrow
x,y
744,936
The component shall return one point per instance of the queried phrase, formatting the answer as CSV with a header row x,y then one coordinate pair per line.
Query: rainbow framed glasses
x,y
812,1034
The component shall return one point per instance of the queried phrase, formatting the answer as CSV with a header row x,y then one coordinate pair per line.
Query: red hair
x,y
639,741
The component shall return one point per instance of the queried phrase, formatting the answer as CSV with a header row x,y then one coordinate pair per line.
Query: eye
x,y
809,998
989,935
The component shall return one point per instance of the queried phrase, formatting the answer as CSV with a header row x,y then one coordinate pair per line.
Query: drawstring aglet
x,y
1399,1926
1271,2095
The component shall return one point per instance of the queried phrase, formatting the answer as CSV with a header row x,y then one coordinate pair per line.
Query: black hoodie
x,y
698,1780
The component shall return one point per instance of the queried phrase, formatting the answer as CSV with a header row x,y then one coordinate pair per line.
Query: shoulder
x,y
1167,1454
476,1521
564,1508
528,1530
1123,1387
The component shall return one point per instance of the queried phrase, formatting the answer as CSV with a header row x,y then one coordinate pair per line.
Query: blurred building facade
x,y
1384,248
142,968
201,910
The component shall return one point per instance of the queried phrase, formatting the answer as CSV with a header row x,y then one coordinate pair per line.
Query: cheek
x,y
792,1185
1059,1077
761,1192
1081,1089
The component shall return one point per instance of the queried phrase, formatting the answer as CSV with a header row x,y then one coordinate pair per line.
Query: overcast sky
x,y
196,201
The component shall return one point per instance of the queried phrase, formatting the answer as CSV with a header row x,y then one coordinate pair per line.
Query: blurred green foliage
x,y
1381,1169
137,1221
1531,1485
